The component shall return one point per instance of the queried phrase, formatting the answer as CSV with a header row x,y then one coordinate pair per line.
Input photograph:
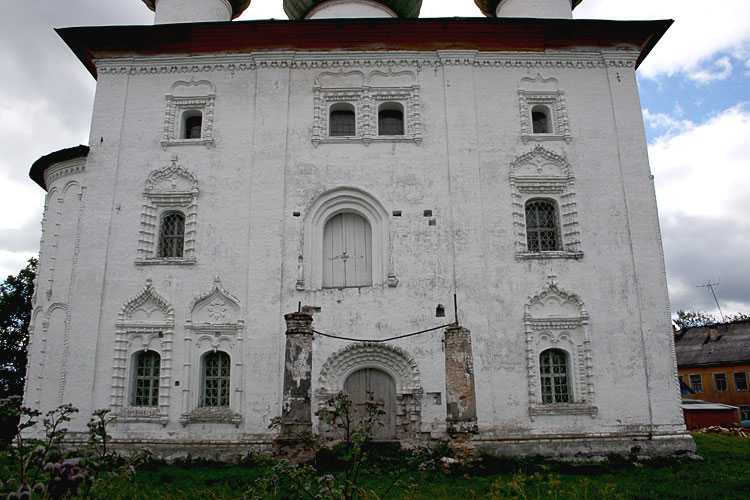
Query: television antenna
x,y
711,286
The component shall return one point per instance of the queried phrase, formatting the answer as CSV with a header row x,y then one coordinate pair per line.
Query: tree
x,y
692,319
15,314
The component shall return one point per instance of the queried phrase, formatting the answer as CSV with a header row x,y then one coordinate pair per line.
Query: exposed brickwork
x,y
296,412
461,402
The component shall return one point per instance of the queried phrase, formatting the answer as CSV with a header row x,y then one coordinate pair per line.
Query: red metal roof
x,y
482,34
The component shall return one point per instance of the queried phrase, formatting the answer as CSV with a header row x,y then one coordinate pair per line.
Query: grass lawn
x,y
723,474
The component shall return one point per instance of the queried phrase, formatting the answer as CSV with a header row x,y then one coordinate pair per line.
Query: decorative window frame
x,y
185,96
546,92
396,362
169,189
555,319
133,335
366,95
215,324
329,204
544,174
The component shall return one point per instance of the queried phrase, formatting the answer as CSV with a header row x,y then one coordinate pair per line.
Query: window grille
x,y
146,390
740,381
391,122
744,413
720,382
343,123
216,379
542,226
696,383
172,235
553,367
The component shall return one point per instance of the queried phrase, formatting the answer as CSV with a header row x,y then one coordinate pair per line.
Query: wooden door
x,y
378,386
347,251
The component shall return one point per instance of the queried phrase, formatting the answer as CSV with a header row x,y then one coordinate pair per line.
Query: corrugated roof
x,y
732,346
689,404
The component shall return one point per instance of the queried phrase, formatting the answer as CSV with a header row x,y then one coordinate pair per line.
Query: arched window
x,y
540,119
192,123
347,251
391,119
172,235
216,367
146,379
342,120
553,371
542,226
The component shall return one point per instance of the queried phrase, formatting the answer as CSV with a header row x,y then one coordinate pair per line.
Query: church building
x,y
454,217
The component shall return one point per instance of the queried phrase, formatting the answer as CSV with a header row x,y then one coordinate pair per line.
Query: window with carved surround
x,y
558,354
189,117
543,112
168,217
368,96
142,368
213,370
541,185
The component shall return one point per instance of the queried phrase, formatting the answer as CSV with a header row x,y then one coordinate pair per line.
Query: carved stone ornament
x,y
543,92
215,324
215,307
335,61
189,96
168,189
542,173
556,319
145,323
366,93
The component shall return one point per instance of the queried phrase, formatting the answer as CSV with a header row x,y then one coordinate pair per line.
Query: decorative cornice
x,y
159,65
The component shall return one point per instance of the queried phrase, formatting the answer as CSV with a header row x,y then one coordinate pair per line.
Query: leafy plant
x,y
355,430
54,473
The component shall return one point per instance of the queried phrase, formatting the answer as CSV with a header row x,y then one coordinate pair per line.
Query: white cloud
x,y
702,179
666,123
703,169
12,262
716,70
702,30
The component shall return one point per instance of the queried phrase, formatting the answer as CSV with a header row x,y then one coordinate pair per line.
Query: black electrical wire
x,y
376,341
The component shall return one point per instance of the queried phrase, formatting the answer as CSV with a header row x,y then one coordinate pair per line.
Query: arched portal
x,y
370,384
389,372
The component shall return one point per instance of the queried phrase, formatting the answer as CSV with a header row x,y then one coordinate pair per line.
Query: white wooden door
x,y
347,251
378,386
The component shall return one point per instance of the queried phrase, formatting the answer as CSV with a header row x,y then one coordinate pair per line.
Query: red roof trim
x,y
483,34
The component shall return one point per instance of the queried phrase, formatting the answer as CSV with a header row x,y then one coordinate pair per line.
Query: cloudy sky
x,y
695,91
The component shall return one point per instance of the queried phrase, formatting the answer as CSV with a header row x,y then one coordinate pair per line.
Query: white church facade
x,y
362,173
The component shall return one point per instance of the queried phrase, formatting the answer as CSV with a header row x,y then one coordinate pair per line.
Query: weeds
x,y
55,474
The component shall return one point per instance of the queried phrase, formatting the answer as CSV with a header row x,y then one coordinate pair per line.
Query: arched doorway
x,y
371,384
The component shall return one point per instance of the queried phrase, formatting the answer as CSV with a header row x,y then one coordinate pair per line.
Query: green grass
x,y
723,474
